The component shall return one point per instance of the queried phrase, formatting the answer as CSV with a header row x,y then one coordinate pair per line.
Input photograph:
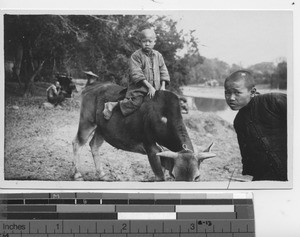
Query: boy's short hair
x,y
147,31
242,75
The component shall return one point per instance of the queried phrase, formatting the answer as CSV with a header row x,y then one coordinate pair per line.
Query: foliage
x,y
280,76
204,70
73,43
271,74
39,46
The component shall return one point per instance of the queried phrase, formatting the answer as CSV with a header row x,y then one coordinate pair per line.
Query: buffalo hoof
x,y
159,179
78,177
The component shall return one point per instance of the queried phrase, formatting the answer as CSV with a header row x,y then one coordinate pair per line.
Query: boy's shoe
x,y
108,109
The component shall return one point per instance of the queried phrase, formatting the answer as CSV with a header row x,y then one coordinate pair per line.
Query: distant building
x,y
212,82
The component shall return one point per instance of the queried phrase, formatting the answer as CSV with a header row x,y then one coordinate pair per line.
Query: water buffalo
x,y
158,123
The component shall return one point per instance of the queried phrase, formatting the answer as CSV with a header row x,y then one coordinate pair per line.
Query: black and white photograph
x,y
164,99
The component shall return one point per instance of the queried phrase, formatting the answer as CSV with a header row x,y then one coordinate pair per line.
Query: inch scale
x,y
126,215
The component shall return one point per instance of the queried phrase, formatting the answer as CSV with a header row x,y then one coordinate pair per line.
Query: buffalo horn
x,y
169,154
205,155
209,147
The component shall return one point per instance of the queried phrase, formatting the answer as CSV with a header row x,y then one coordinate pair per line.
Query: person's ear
x,y
253,92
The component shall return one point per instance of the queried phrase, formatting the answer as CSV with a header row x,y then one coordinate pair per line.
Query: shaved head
x,y
147,33
242,75
239,89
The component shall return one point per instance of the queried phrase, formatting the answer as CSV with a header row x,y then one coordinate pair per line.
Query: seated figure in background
x,y
55,94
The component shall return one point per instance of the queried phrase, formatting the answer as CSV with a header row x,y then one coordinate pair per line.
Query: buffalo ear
x,y
205,155
169,154
209,147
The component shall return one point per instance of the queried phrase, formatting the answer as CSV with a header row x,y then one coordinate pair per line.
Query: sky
x,y
241,37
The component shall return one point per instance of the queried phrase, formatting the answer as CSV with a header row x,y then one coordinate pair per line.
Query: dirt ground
x,y
38,145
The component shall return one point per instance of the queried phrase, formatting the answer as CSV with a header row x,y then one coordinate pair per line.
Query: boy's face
x,y
148,42
237,94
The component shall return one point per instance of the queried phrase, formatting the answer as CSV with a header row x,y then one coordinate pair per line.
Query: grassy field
x,y
38,144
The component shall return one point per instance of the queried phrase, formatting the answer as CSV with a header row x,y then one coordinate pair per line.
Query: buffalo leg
x,y
154,161
84,132
95,144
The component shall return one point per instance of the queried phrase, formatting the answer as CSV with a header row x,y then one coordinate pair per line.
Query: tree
x,y
42,45
262,72
280,76
187,67
32,41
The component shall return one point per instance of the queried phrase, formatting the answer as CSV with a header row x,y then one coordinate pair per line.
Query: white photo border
x,y
30,185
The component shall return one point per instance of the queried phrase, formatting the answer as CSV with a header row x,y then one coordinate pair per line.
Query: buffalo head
x,y
184,165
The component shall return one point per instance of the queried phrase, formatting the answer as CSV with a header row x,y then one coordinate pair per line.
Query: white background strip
x,y
204,208
146,215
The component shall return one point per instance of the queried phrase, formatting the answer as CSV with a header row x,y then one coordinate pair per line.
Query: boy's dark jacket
x,y
261,128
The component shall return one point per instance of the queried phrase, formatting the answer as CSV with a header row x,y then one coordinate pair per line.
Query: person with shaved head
x,y
148,73
261,127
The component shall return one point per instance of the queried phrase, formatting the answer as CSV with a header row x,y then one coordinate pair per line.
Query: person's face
x,y
57,84
148,42
237,95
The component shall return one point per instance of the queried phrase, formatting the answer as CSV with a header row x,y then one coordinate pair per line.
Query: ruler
x,y
126,215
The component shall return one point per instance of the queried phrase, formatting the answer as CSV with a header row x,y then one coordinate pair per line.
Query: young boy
x,y
148,73
261,127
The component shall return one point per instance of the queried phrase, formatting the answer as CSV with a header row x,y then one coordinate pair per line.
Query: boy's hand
x,y
151,92
151,89
163,86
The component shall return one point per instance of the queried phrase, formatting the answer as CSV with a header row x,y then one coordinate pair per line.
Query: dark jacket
x,y
261,128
